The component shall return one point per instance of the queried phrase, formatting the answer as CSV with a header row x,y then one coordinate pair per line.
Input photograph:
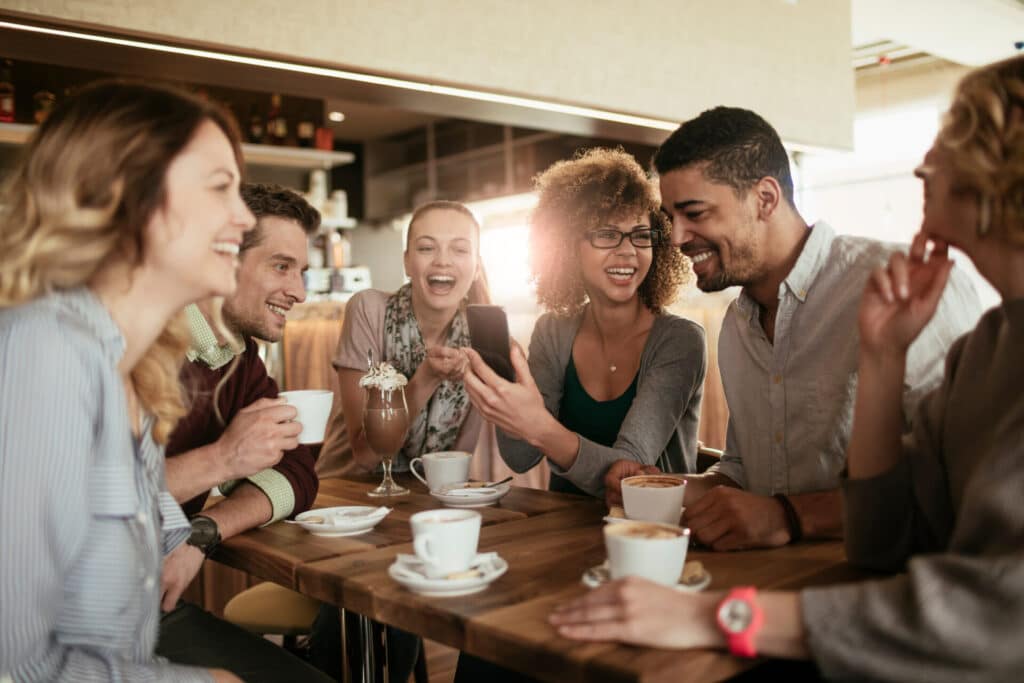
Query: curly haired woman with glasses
x,y
610,374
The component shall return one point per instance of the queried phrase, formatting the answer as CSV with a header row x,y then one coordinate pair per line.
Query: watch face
x,y
735,615
204,531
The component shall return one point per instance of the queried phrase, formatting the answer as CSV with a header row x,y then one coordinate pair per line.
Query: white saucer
x,y
598,575
472,497
408,571
345,520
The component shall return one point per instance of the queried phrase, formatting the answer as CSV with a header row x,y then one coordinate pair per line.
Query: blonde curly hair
x,y
983,137
597,186
84,188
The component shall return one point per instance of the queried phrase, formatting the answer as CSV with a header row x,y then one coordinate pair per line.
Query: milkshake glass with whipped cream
x,y
385,421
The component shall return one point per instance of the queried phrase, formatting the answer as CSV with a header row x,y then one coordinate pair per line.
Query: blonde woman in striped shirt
x,y
124,208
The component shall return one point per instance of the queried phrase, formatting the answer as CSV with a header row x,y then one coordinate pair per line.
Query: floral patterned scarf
x,y
437,426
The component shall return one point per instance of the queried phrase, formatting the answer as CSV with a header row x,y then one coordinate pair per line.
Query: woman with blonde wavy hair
x,y
124,208
610,375
942,507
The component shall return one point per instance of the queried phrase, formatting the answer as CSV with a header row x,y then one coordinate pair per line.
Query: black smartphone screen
x,y
488,334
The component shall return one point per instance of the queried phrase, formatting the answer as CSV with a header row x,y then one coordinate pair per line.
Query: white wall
x,y
871,191
788,60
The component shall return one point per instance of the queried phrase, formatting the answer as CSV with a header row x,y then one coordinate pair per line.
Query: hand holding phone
x,y
488,334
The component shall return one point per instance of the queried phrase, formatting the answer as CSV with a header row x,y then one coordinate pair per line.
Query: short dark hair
x,y
738,146
265,199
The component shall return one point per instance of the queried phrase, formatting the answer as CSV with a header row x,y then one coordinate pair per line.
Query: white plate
x,y
471,498
345,526
598,575
407,570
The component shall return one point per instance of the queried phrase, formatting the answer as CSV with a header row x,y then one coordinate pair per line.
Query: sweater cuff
x,y
275,487
583,472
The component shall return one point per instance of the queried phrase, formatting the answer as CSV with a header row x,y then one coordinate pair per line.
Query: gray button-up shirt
x,y
85,517
791,402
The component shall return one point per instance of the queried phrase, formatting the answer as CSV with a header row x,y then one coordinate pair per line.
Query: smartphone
x,y
488,335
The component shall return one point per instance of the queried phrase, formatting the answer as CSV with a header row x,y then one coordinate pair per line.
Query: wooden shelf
x,y
15,133
256,155
294,157
346,223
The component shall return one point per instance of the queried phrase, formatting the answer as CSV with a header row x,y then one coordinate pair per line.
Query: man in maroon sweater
x,y
248,444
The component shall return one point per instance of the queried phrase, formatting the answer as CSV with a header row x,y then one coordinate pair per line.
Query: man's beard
x,y
244,327
715,282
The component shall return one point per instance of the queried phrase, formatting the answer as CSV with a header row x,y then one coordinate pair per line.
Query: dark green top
x,y
598,421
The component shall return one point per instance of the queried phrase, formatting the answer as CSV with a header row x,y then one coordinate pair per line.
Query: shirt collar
x,y
804,272
86,307
811,260
205,346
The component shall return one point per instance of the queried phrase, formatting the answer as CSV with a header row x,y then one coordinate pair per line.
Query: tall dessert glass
x,y
385,421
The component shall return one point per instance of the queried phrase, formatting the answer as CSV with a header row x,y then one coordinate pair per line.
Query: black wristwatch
x,y
205,534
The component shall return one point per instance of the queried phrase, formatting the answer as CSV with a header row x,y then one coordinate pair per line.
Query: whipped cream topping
x,y
384,377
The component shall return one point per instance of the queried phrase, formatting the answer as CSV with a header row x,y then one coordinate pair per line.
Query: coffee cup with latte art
x,y
652,551
653,498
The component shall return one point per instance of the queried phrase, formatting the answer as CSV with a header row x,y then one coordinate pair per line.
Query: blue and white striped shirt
x,y
85,517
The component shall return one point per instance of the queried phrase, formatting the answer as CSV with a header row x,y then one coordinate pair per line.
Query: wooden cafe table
x,y
275,552
549,540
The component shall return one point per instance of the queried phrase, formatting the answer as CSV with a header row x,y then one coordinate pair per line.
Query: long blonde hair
x,y
84,189
983,134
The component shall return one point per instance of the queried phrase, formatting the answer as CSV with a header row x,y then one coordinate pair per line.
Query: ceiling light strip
x,y
464,93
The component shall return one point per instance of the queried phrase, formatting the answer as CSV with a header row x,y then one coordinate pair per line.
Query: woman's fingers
x,y
483,370
918,247
521,366
899,275
881,283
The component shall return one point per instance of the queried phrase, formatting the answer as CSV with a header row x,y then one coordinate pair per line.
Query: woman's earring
x,y
984,216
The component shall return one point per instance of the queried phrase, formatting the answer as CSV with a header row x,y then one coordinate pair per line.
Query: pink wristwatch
x,y
740,618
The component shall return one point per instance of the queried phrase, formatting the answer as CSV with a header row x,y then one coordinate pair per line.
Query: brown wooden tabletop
x,y
275,552
549,540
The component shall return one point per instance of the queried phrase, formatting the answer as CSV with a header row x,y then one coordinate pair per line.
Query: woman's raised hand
x,y
901,297
447,363
516,407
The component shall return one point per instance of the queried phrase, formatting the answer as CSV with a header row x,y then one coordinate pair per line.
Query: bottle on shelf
x,y
7,91
341,250
257,129
306,132
44,101
277,124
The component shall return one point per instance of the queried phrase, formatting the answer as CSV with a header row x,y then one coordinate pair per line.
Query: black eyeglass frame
x,y
656,237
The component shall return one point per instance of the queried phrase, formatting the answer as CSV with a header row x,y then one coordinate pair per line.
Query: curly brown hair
x,y
983,133
597,186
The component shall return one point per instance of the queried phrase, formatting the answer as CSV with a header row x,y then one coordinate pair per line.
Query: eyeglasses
x,y
609,238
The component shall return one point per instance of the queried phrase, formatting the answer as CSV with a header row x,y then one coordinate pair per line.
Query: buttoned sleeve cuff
x,y
174,525
275,487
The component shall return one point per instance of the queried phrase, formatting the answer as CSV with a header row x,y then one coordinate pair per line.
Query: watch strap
x,y
743,643
796,529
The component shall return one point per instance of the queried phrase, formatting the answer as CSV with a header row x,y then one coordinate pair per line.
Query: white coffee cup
x,y
445,540
442,468
314,407
653,498
646,549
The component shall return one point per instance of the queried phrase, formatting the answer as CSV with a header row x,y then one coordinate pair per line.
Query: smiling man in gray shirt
x,y
788,346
